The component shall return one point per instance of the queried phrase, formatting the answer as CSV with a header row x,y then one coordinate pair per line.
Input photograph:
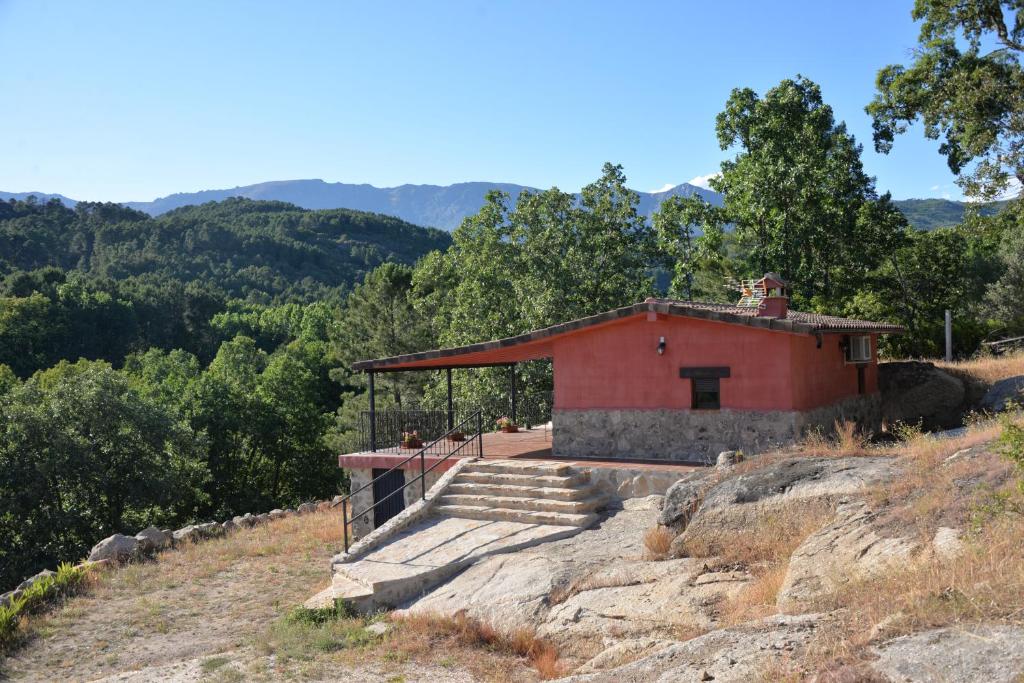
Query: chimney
x,y
775,303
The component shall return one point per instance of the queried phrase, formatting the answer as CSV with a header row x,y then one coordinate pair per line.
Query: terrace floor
x,y
526,444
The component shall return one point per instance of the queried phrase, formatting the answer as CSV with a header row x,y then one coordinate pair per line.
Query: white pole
x,y
949,335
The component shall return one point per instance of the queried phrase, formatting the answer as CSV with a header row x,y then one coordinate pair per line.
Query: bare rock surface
x,y
916,391
986,654
599,574
842,550
740,653
736,503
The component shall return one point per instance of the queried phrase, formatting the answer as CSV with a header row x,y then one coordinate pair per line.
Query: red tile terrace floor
x,y
527,444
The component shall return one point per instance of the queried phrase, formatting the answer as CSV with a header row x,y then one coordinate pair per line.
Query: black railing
x,y
451,442
381,430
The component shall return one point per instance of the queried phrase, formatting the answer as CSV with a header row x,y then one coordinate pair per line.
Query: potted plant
x,y
506,425
411,440
457,436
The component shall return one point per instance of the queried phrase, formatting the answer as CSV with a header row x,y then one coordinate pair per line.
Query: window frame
x,y
695,392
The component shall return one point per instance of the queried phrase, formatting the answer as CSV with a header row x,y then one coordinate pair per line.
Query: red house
x,y
678,380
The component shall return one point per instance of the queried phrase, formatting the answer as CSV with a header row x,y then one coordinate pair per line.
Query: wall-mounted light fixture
x,y
661,346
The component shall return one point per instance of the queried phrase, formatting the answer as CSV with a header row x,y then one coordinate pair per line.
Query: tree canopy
x,y
966,86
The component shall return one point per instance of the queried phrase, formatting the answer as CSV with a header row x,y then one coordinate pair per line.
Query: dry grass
x,y
983,584
846,439
227,599
987,369
657,541
462,631
763,549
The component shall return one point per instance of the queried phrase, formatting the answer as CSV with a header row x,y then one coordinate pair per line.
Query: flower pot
x,y
457,436
512,429
412,444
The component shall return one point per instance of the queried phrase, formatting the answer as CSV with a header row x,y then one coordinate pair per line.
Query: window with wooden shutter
x,y
705,393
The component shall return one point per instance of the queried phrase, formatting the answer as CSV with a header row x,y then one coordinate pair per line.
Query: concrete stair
x,y
529,492
490,507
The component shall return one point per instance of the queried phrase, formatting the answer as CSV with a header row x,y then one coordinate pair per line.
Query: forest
x,y
195,365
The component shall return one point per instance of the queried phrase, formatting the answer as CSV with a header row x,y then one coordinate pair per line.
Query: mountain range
x,y
444,206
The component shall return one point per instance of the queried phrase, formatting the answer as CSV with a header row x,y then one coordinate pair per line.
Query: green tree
x,y
1003,299
797,193
380,319
965,85
84,455
689,253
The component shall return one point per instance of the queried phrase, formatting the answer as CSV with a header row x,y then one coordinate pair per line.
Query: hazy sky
x,y
133,100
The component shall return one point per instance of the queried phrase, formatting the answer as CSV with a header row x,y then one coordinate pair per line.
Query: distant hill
x,y
40,197
432,205
928,214
445,206
252,249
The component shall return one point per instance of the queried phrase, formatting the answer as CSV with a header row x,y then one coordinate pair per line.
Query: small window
x,y
858,349
705,393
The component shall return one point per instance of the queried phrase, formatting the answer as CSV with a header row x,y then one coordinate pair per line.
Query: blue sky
x,y
126,100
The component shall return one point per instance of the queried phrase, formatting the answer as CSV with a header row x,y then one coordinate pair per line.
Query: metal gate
x,y
393,481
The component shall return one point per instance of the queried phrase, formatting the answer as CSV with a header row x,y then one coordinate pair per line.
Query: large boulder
x,y
993,654
153,540
1004,394
35,578
187,533
117,548
917,392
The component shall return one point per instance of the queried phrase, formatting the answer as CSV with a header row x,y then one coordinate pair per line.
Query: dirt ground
x,y
215,612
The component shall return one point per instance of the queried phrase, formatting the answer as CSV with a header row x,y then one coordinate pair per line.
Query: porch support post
x,y
512,390
451,406
373,413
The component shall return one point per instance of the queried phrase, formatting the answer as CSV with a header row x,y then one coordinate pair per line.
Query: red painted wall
x,y
822,376
617,366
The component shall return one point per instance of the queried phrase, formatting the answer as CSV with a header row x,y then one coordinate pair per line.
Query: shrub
x,y
41,594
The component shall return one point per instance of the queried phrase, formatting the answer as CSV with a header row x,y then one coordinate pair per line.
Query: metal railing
x,y
434,450
381,431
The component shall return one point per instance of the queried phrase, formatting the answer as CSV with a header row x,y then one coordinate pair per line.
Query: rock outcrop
x,y
1004,394
993,654
918,392
843,550
681,500
737,502
732,655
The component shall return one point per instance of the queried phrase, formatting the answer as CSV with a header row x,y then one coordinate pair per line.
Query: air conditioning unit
x,y
858,349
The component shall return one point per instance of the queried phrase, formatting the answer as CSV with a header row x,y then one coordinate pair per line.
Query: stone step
x,y
517,491
580,506
545,480
522,516
358,596
531,467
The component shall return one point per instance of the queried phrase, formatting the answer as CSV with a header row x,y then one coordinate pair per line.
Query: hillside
x,y
247,248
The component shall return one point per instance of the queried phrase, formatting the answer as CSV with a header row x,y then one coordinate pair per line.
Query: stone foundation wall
x,y
696,435
360,476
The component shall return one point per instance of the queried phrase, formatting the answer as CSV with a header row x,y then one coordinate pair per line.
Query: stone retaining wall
x,y
361,476
696,435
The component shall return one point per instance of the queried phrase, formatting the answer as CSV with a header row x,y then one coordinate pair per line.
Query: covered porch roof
x,y
537,344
